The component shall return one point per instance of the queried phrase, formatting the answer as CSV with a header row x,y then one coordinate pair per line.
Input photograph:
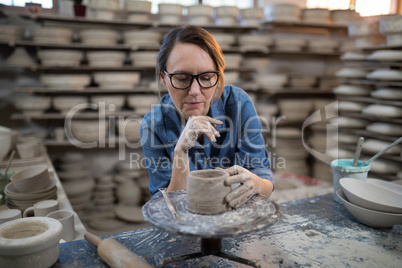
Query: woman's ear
x,y
162,78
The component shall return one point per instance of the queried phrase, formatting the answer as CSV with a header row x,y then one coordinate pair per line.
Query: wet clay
x,y
206,191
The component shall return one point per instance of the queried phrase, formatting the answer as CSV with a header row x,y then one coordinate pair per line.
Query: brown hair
x,y
197,36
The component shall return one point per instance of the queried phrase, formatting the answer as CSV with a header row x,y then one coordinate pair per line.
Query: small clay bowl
x,y
31,179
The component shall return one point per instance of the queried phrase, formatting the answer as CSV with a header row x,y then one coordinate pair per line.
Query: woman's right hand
x,y
195,127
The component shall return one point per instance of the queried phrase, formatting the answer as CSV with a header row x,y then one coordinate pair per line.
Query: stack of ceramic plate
x,y
66,103
349,122
373,146
385,55
60,57
226,15
384,128
387,94
170,13
295,110
199,14
289,44
110,103
103,9
29,186
391,26
77,180
373,202
232,60
129,129
65,81
138,11
106,58
20,58
353,56
142,104
323,45
385,75
270,81
251,16
350,106
382,111
351,73
365,26
116,80
352,90
343,16
142,38
52,35
282,12
225,40
10,33
88,131
290,151
146,59
104,197
256,42
99,36
32,105
315,15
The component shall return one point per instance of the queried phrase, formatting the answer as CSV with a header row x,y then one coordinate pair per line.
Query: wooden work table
x,y
312,232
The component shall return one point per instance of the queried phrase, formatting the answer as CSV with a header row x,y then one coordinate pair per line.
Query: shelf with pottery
x,y
372,64
370,100
87,90
85,115
371,117
72,45
302,24
366,82
368,134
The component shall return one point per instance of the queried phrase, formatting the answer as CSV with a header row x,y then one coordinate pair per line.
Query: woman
x,y
202,124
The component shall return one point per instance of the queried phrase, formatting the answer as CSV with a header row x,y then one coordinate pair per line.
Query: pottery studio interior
x,y
83,83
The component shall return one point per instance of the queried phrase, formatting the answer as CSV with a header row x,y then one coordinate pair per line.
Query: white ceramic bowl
x,y
170,9
199,10
54,35
370,217
385,74
144,58
391,186
385,55
351,73
138,6
60,57
348,122
370,196
227,11
343,16
373,146
65,81
30,242
32,105
138,17
119,80
350,106
102,14
99,36
252,13
104,4
379,110
66,103
225,40
353,56
387,129
142,101
139,37
31,179
254,39
117,100
316,15
351,90
106,58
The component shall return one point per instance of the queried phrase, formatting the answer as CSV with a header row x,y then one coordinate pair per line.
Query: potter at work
x,y
201,123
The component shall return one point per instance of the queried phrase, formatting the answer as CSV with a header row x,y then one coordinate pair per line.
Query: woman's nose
x,y
195,88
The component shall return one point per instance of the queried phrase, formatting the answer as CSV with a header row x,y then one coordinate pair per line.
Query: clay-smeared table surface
x,y
312,232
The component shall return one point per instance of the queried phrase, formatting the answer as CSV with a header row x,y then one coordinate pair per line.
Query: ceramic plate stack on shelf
x,y
170,13
373,202
32,105
391,26
353,56
60,57
343,16
29,186
52,35
86,132
199,14
282,12
142,104
365,31
226,15
143,59
316,15
322,45
352,90
99,37
290,151
103,9
116,80
103,193
107,59
110,103
138,11
385,55
66,103
77,180
20,58
137,38
65,81
254,42
10,33
251,16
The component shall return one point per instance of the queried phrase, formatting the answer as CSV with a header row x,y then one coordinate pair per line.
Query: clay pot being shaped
x,y
206,191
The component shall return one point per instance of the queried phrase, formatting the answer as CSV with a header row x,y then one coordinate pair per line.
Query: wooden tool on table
x,y
115,254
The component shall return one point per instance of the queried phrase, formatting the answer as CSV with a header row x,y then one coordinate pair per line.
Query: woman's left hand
x,y
245,191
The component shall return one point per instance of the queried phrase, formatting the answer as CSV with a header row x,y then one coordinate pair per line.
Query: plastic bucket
x,y
343,168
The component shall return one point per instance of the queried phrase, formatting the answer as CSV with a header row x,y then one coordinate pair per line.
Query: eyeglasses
x,y
184,80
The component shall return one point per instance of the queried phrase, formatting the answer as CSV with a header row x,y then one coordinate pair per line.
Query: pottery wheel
x,y
257,213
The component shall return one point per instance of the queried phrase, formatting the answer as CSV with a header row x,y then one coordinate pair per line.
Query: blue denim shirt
x,y
241,142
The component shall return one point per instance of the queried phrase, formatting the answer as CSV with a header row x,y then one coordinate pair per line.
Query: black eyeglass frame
x,y
192,79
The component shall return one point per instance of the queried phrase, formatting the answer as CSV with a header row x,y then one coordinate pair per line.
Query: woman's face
x,y
191,59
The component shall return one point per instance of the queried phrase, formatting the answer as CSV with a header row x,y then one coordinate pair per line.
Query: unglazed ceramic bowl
x,y
370,196
370,217
30,242
31,179
138,6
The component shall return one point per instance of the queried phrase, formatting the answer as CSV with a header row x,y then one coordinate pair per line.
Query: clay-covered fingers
x,y
206,125
240,195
